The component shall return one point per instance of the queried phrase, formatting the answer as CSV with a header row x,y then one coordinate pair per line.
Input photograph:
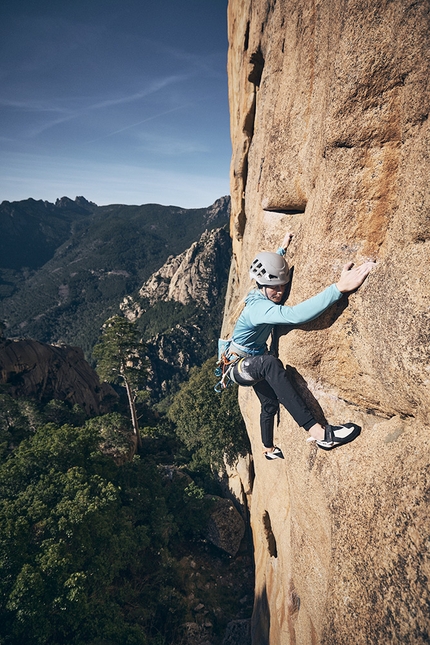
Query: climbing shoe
x,y
337,436
276,454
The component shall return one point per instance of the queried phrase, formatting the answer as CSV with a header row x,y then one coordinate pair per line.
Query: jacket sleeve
x,y
270,313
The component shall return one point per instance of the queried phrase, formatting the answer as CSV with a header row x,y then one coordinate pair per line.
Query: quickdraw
x,y
225,364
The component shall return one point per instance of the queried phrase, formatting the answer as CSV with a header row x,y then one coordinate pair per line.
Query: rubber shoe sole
x,y
276,454
336,436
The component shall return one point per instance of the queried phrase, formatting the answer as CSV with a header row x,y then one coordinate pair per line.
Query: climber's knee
x,y
270,408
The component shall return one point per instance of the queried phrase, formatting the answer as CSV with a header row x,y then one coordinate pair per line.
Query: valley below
x,y
192,582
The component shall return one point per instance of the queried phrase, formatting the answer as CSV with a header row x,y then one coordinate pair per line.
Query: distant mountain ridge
x,y
32,230
79,260
178,311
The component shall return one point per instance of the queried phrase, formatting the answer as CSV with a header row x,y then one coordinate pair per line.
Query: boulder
x,y
225,528
37,370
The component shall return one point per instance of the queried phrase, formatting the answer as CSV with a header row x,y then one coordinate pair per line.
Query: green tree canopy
x,y
208,423
82,544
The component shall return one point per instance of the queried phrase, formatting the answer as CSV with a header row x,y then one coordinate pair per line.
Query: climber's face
x,y
275,293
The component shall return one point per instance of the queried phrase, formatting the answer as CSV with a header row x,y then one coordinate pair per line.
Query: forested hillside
x,y
65,267
114,533
31,231
98,547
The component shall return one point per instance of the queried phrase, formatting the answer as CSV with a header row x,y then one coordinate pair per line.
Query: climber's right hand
x,y
352,277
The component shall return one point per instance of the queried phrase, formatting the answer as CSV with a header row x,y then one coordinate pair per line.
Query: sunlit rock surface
x,y
197,274
196,278
329,118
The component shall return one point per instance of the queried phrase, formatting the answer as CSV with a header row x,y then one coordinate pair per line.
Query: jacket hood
x,y
255,294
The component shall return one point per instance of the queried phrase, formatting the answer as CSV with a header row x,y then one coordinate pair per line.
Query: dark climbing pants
x,y
271,384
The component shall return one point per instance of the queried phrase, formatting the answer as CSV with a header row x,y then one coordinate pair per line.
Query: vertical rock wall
x,y
329,120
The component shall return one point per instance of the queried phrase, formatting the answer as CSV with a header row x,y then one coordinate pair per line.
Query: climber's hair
x,y
239,308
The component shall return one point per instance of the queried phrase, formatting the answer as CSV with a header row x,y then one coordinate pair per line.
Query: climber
x,y
255,366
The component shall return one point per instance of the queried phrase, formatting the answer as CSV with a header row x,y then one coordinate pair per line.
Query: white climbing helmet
x,y
269,269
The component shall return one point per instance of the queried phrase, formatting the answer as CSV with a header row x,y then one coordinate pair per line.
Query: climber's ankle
x,y
266,449
317,432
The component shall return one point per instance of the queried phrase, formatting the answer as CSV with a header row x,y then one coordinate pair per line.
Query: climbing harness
x,y
225,364
231,354
227,359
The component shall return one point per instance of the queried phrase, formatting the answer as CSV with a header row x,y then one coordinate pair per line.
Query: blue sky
x,y
121,101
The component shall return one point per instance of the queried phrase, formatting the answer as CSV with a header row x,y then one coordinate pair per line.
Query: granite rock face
x,y
329,120
37,370
196,275
226,527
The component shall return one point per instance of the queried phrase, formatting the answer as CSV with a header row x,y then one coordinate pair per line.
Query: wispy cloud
x,y
133,125
71,114
206,64
160,144
153,87
31,105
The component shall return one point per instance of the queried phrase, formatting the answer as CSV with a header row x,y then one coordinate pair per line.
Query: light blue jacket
x,y
260,314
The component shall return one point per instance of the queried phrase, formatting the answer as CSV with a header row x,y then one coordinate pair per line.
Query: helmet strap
x,y
262,287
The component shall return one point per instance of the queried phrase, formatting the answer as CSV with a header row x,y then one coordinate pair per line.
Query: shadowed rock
x,y
238,632
36,370
226,527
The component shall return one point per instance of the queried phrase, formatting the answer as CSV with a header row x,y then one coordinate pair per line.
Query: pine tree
x,y
121,359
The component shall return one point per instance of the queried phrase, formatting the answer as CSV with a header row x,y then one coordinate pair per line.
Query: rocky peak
x,y
80,204
220,208
198,274
81,201
197,277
